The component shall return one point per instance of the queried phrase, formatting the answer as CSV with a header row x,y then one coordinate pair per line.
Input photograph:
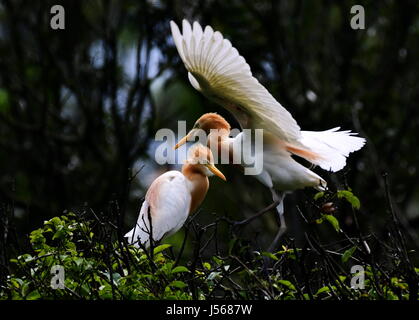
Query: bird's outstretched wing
x,y
222,74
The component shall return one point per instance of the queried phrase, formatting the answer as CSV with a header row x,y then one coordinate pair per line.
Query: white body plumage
x,y
280,171
167,202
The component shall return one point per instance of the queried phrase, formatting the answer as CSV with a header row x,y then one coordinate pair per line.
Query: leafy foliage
x,y
98,265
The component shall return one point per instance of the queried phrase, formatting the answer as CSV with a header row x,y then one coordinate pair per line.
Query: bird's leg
x,y
280,209
279,197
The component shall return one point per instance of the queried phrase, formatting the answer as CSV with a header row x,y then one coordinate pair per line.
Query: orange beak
x,y
185,139
215,171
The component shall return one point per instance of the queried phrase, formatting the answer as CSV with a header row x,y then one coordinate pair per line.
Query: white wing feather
x,y
333,146
168,200
219,72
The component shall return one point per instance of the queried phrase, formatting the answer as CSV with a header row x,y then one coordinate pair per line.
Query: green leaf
x,y
54,221
178,284
323,289
34,295
207,265
180,269
287,284
348,253
16,282
60,234
105,291
85,290
333,221
25,289
78,261
318,195
160,248
217,260
350,197
270,255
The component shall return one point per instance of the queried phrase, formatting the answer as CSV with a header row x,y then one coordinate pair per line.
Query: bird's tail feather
x,y
129,234
140,232
330,148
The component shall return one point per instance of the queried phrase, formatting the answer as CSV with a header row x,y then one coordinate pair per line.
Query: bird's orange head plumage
x,y
210,121
200,154
201,160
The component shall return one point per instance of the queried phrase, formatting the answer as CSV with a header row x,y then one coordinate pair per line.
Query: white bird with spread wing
x,y
216,69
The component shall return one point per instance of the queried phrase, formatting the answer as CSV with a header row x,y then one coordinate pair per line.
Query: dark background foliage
x,y
79,107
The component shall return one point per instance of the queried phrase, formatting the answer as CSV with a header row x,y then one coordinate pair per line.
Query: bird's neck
x,y
218,140
219,144
221,134
199,185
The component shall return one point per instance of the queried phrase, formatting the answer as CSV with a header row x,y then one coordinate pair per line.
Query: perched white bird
x,y
216,69
173,196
